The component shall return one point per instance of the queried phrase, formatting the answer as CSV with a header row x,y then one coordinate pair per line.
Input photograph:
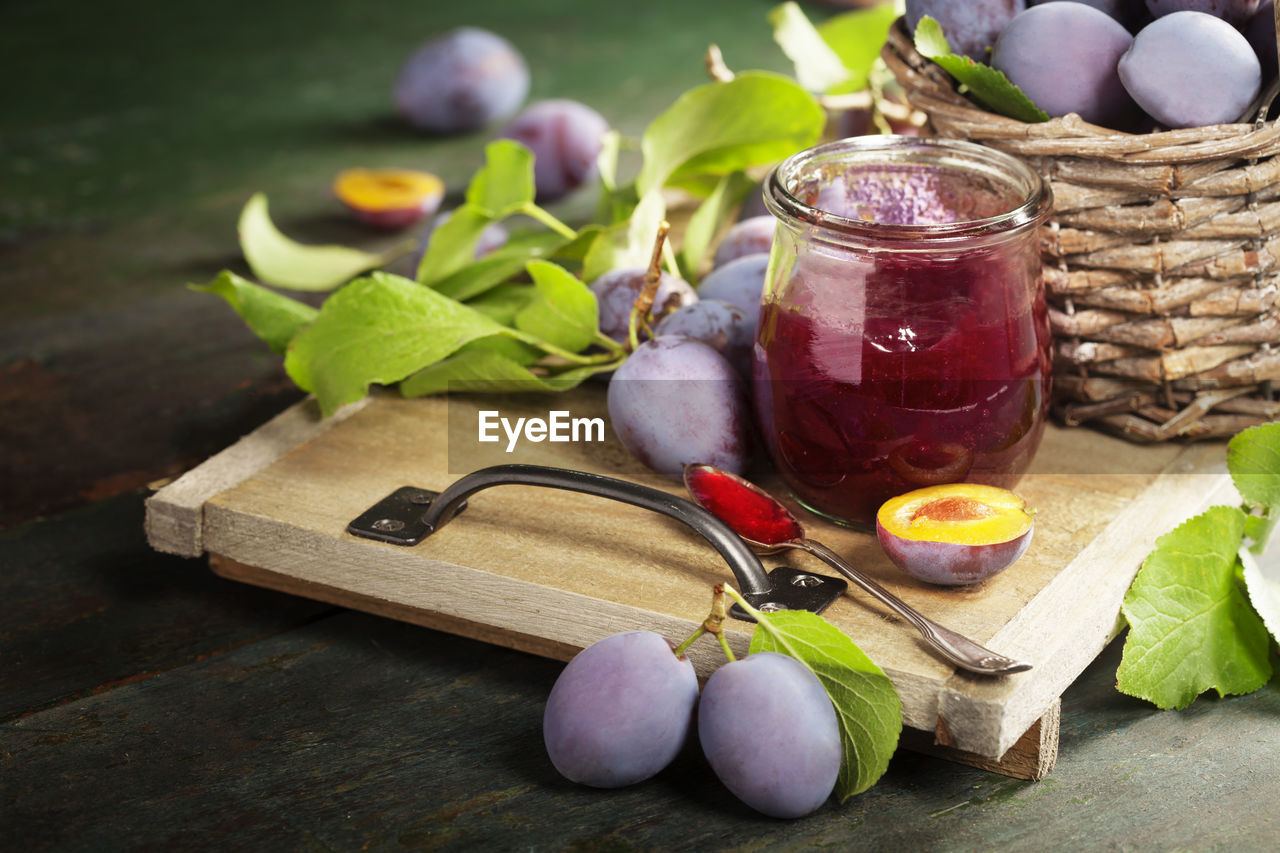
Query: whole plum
x,y
748,237
616,292
675,401
565,138
770,733
620,710
1234,12
461,81
1068,75
740,282
971,27
723,326
1190,69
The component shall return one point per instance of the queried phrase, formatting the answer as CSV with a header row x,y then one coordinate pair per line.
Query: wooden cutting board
x,y
551,572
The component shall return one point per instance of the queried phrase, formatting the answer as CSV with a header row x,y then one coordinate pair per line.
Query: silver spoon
x,y
768,527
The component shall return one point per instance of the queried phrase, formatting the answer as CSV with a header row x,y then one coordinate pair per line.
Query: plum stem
x,y
652,277
713,624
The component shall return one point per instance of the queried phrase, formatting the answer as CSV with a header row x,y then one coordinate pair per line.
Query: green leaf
x,y
599,258
486,370
1191,628
505,183
502,303
473,279
564,311
857,37
628,243
1253,458
706,221
271,316
818,68
985,84
453,244
867,707
720,128
607,159
514,350
379,329
576,250
282,262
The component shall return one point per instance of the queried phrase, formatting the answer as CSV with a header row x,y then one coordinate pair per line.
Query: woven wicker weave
x,y
1162,261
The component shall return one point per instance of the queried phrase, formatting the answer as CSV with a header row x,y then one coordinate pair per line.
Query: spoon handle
x,y
960,650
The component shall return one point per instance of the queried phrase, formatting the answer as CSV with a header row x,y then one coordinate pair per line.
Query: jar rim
x,y
887,149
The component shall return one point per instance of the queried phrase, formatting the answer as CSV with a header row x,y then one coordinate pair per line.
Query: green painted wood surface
x,y
352,732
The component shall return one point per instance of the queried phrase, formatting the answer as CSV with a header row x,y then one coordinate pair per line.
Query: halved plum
x,y
389,198
954,534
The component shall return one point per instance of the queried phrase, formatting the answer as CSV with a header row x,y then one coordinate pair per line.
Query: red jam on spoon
x,y
751,514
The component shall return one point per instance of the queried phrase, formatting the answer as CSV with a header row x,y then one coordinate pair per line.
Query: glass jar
x,y
903,340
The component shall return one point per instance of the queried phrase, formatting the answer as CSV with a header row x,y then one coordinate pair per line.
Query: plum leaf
x,y
502,303
705,221
1253,458
985,84
483,368
504,184
1191,627
282,262
857,37
475,278
836,56
379,329
453,244
818,67
273,317
628,243
719,128
563,311
867,707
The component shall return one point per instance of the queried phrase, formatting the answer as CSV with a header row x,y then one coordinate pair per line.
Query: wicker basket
x,y
1162,261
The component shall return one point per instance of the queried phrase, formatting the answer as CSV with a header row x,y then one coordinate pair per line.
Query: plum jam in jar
x,y
903,338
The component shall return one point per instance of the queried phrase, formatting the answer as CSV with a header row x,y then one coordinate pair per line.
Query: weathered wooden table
x,y
147,703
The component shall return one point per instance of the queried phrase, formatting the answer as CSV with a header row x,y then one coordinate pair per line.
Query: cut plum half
x,y
954,534
389,198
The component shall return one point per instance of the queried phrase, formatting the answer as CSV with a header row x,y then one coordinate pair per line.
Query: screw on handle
x,y
752,581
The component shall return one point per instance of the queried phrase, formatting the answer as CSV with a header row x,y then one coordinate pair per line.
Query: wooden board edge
x,y
280,582
1032,757
174,514
984,712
